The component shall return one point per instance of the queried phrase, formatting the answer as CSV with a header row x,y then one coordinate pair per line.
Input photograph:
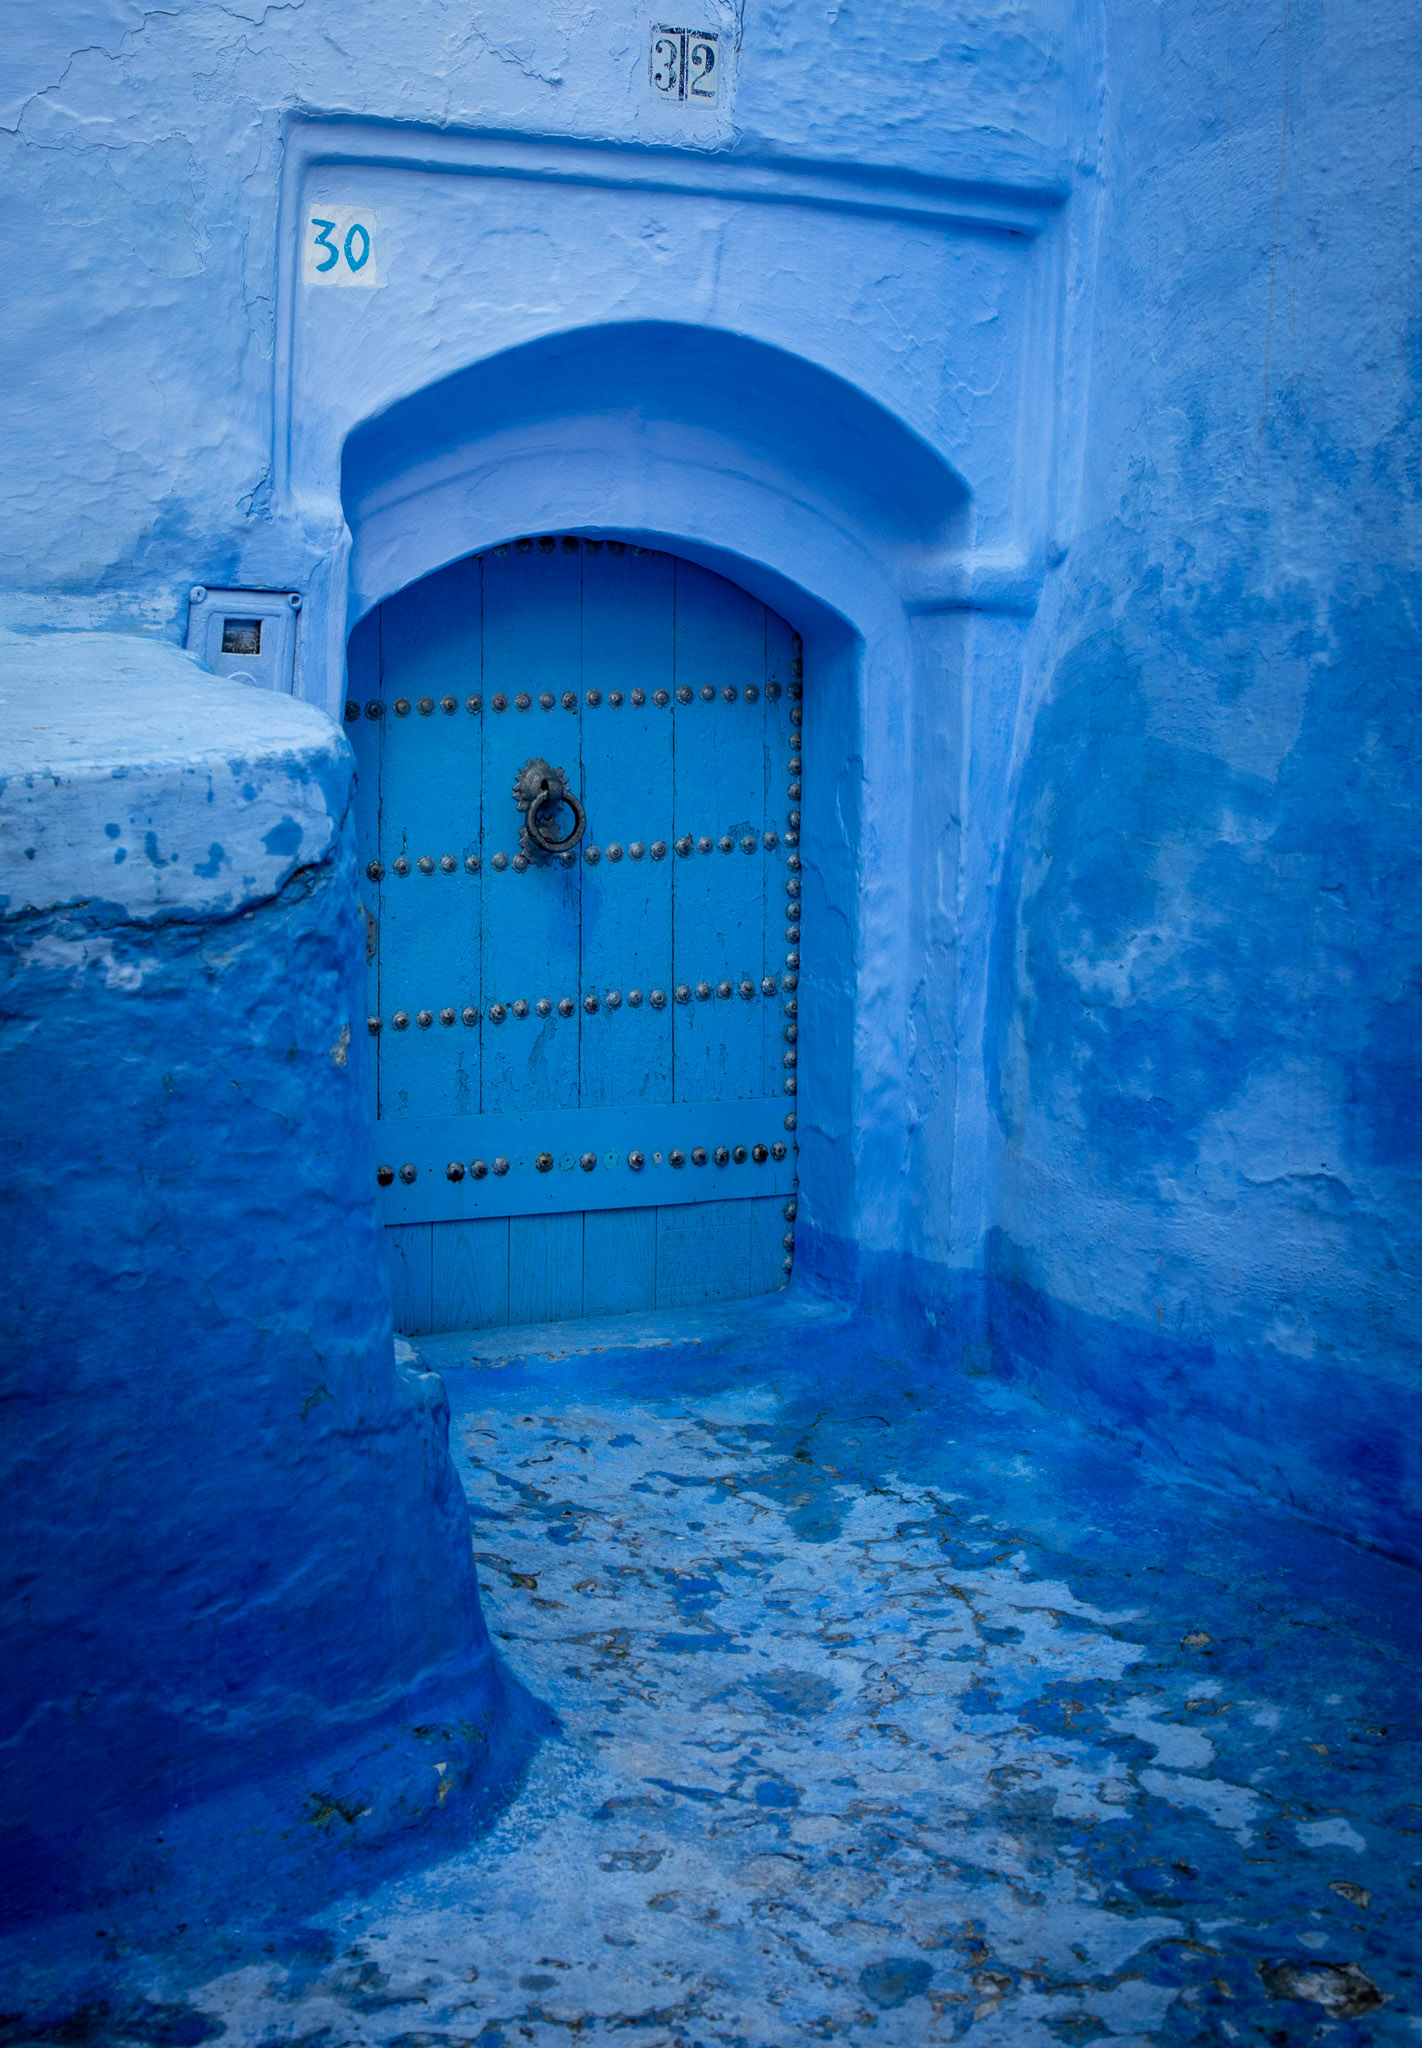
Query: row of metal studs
x,y
568,699
547,543
566,1006
792,881
448,863
544,1163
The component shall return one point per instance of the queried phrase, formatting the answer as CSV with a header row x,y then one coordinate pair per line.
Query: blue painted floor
x,y
893,1711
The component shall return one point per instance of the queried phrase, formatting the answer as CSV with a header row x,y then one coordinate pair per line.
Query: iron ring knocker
x,y
549,799
540,788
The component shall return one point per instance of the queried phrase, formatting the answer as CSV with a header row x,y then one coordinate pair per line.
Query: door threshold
x,y
787,1312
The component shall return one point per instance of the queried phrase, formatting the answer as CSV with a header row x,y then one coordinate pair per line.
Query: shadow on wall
x,y
1204,1051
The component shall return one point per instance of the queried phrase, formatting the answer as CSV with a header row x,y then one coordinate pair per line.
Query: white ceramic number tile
x,y
340,245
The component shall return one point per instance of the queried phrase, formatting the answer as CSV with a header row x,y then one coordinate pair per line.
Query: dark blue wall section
x,y
1203,1017
243,1637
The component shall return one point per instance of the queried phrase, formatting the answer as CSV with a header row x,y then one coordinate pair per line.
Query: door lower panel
x,y
536,1269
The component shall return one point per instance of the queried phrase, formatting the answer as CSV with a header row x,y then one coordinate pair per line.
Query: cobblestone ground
x,y
886,1730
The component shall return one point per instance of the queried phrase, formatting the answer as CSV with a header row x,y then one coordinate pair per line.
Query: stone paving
x,y
883,1720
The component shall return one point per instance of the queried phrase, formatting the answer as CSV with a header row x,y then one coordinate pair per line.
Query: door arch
x,y
586,1061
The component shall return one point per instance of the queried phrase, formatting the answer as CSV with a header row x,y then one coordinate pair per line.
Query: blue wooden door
x,y
584,1059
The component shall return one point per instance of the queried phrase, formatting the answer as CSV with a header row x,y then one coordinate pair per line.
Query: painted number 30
x,y
355,247
340,248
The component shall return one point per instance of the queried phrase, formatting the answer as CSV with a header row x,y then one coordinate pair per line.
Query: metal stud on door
x,y
579,809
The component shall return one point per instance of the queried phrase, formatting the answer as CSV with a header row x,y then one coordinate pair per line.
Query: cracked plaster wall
x,y
142,150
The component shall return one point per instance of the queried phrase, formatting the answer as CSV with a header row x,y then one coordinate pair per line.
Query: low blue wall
x,y
241,1634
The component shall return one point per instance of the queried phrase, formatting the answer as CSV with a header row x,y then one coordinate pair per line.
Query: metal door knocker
x,y
539,792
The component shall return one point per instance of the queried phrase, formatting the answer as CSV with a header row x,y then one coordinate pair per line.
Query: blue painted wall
x,y
1201,1008
1112,1027
241,1638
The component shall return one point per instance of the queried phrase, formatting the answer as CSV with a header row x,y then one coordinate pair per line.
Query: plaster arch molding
x,y
847,380
703,440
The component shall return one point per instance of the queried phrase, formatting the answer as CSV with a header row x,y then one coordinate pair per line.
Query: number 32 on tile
x,y
339,247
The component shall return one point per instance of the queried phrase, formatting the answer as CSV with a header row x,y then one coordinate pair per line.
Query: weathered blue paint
x,y
883,1721
221,1493
1199,970
1052,371
564,1042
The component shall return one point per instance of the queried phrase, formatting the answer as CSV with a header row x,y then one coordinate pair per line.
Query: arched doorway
x,y
584,1014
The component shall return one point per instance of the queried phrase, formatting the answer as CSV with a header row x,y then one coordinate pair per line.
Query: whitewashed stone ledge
x,y
132,777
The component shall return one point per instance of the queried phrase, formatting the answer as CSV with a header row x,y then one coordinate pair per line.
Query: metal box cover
x,y
246,635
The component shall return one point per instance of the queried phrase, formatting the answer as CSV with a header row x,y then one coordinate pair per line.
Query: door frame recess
x,y
795,500
857,391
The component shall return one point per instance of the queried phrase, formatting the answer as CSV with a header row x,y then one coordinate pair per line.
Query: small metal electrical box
x,y
247,635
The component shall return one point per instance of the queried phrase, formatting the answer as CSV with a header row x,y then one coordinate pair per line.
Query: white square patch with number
x,y
683,65
339,246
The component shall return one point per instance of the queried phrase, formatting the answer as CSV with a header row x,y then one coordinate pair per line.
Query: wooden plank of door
x,y
703,1253
769,1227
627,774
545,1267
429,822
363,732
407,1251
619,1260
469,1274
530,949
720,804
